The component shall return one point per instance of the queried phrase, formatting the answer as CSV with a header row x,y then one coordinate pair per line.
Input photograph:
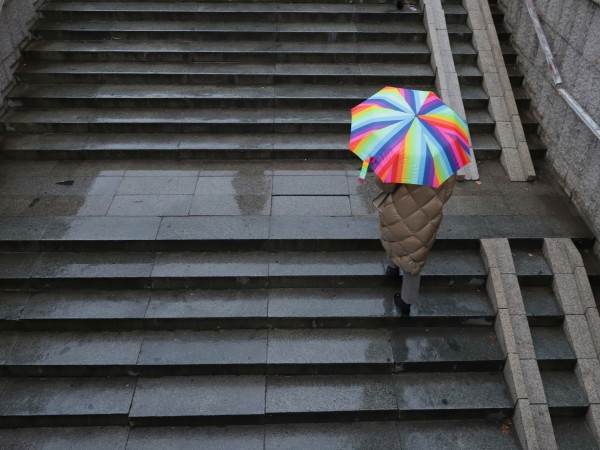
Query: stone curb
x,y
582,323
521,372
515,157
446,79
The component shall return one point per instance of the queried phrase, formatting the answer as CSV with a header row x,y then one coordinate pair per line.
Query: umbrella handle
x,y
363,170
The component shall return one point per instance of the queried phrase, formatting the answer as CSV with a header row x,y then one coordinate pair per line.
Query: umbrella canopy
x,y
409,136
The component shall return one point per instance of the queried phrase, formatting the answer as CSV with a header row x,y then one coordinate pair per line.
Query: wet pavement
x,y
137,193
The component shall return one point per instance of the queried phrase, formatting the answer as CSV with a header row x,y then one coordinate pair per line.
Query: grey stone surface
x,y
551,343
562,389
90,304
331,347
35,349
452,346
8,340
330,263
213,228
211,265
199,304
12,305
156,185
17,265
183,438
284,205
451,391
330,436
204,348
539,301
150,205
199,397
94,265
230,205
26,397
565,289
331,394
93,438
322,227
573,433
577,332
13,228
98,228
454,434
310,185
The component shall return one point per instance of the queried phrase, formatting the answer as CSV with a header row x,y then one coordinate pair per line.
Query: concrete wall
x,y
572,28
16,19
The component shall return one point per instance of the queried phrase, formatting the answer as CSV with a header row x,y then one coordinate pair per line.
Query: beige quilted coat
x,y
409,217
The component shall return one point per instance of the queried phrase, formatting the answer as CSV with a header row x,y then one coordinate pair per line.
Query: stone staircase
x,y
260,330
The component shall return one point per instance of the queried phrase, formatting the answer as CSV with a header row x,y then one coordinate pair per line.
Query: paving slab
x,y
552,348
86,306
12,305
75,353
230,205
209,309
446,349
573,433
563,392
66,401
197,352
333,436
339,397
288,205
455,435
102,228
214,228
150,205
12,228
93,438
452,395
199,400
329,351
8,339
182,438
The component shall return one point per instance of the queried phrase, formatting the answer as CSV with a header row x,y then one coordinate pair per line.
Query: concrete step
x,y
223,270
393,435
242,52
244,352
486,146
176,146
552,349
573,433
215,400
537,148
172,120
541,307
564,394
164,31
463,53
230,12
228,73
197,96
86,310
456,13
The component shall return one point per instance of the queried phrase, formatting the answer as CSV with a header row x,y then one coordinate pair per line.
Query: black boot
x,y
399,4
401,305
392,273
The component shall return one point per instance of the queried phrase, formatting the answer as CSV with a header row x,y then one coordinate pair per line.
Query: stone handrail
x,y
557,79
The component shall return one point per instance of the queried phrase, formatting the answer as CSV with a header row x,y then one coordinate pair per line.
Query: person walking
x,y
409,219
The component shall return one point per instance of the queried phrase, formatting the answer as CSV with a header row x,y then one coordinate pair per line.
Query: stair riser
x,y
237,57
172,127
234,36
475,103
222,127
254,323
242,16
220,282
169,154
229,79
109,370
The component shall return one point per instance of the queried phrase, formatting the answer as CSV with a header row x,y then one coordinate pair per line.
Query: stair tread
x,y
277,304
228,27
225,68
197,115
226,47
182,7
562,390
351,436
145,91
274,351
248,264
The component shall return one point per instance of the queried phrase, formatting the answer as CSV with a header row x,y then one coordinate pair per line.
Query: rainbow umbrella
x,y
409,136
